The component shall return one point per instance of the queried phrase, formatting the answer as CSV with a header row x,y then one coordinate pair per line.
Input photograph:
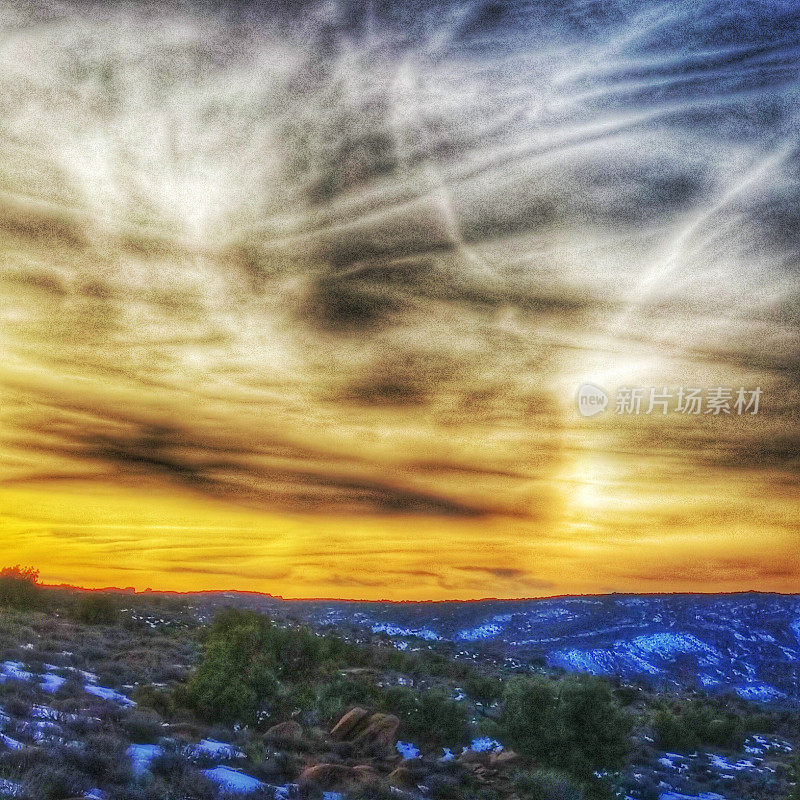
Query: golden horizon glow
x,y
100,537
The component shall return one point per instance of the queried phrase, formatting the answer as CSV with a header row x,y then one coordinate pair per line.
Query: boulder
x,y
358,732
366,775
504,758
339,777
403,778
329,777
285,732
379,733
346,726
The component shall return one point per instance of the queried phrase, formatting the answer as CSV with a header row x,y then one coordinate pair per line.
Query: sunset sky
x,y
299,301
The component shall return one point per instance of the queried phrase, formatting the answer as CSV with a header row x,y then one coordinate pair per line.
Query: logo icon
x,y
591,399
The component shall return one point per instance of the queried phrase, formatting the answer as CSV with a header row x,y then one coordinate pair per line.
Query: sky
x,y
298,297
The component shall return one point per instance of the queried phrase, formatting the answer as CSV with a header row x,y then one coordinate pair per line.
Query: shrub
x,y
695,724
143,726
182,778
169,764
673,732
593,730
193,784
246,657
445,787
627,695
547,785
429,718
17,697
725,731
238,668
96,609
527,720
102,759
53,783
160,700
19,588
577,726
483,689
341,692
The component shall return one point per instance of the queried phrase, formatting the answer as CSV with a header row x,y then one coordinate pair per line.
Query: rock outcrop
x,y
285,733
369,734
348,723
339,777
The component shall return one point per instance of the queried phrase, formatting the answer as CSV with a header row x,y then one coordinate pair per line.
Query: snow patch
x,y
759,693
52,683
485,745
11,744
141,756
396,630
14,670
635,656
796,629
759,745
407,750
111,695
487,630
231,781
10,788
210,748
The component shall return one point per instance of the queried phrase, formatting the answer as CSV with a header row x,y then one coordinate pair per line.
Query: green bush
x,y
160,700
483,689
96,609
547,785
333,697
576,725
19,588
697,723
238,670
593,730
527,721
429,718
673,733
249,665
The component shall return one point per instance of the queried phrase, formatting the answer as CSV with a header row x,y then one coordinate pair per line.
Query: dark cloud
x,y
264,472
346,303
742,571
502,573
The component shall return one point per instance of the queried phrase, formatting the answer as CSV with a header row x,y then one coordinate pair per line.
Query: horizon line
x,y
130,590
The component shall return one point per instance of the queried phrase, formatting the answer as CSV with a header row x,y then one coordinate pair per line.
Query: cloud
x,y
741,571
265,472
314,263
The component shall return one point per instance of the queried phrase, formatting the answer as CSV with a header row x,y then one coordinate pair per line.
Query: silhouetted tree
x,y
19,587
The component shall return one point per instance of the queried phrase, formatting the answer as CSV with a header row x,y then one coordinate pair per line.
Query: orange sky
x,y
603,538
